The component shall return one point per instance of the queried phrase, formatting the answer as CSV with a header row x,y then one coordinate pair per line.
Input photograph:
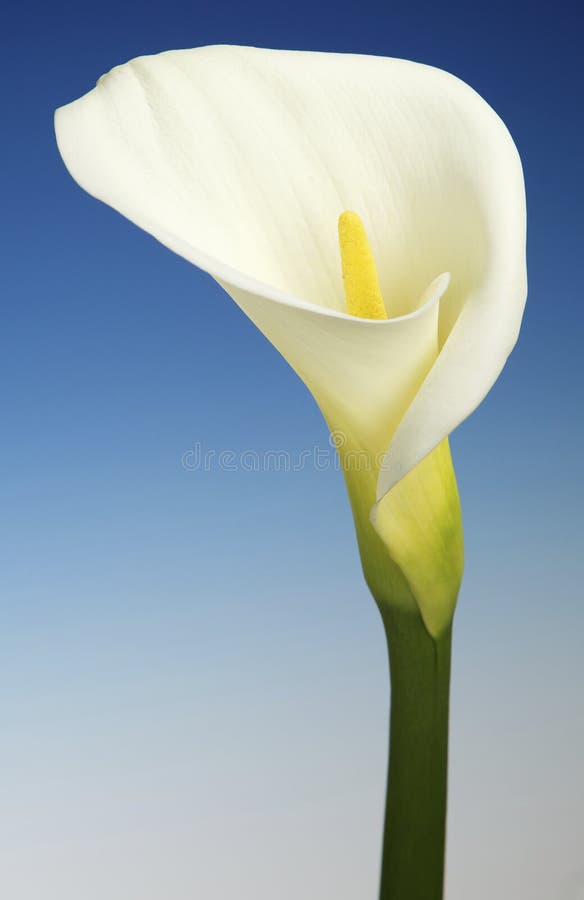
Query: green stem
x,y
415,823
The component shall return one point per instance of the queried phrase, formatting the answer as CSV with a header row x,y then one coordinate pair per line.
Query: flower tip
x,y
348,219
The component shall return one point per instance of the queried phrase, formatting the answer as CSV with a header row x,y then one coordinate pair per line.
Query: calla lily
x,y
242,160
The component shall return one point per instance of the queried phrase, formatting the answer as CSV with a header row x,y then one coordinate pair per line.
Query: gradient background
x,y
175,727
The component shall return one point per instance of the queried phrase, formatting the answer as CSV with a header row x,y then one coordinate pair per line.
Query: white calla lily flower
x,y
242,160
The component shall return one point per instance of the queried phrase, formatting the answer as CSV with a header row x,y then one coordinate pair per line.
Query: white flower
x,y
241,160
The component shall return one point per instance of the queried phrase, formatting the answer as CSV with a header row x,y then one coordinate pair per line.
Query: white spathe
x,y
241,160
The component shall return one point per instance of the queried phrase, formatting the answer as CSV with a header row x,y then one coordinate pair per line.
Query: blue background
x,y
193,676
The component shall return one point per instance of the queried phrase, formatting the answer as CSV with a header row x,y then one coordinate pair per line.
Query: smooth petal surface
x,y
363,376
242,159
